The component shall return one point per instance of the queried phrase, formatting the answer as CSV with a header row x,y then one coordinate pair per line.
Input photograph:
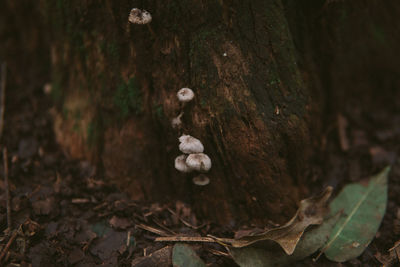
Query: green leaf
x,y
363,206
184,256
266,257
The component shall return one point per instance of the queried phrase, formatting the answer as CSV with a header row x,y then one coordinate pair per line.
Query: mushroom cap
x,y
138,16
199,162
183,138
47,88
190,145
201,180
185,95
180,164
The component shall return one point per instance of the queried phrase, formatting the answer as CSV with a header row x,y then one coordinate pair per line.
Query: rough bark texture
x,y
118,85
115,84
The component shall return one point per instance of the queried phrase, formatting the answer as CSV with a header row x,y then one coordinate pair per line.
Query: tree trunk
x,y
115,85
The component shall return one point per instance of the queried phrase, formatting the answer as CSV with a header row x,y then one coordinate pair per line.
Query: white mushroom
x,y
185,95
180,164
47,88
199,162
177,122
201,180
190,145
138,16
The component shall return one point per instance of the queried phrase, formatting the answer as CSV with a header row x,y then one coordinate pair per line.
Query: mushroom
x,y
138,16
176,122
190,145
47,88
201,180
180,164
185,95
199,162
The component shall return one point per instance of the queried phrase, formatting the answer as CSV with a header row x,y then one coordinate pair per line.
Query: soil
x,y
65,213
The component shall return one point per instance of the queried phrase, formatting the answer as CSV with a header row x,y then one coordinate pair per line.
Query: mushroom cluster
x,y
138,16
193,158
141,17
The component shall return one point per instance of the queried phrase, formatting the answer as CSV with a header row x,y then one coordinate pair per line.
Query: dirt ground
x,y
65,213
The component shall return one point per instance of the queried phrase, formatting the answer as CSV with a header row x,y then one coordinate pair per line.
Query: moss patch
x,y
128,98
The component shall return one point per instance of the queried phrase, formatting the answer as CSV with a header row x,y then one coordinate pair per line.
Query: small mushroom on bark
x,y
185,95
141,17
138,16
190,145
176,123
199,162
180,164
201,180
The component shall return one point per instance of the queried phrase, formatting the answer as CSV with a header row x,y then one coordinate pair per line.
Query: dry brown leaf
x,y
310,212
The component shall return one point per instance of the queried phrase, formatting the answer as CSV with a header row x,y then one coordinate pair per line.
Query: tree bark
x,y
115,85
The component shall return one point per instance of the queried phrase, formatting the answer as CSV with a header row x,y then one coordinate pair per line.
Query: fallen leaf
x,y
108,246
45,207
310,212
184,256
76,256
253,256
387,260
160,258
119,223
363,206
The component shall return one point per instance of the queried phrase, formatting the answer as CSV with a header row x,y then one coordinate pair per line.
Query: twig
x,y
218,252
3,96
163,227
185,239
128,238
152,230
80,200
7,247
7,187
342,127
185,222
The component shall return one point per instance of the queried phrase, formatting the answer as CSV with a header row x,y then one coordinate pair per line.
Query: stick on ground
x,y
2,96
7,247
7,188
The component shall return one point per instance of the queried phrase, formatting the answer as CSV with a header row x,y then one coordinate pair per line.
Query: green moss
x,y
60,4
200,46
65,113
378,34
110,49
128,98
113,50
203,102
199,41
159,111
77,115
76,128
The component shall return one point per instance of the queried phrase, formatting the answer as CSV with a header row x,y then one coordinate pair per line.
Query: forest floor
x,y
64,213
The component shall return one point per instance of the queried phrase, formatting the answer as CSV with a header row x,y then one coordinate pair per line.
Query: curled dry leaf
x,y
267,256
310,212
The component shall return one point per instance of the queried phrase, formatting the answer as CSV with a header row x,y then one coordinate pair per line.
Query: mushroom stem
x,y
151,31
